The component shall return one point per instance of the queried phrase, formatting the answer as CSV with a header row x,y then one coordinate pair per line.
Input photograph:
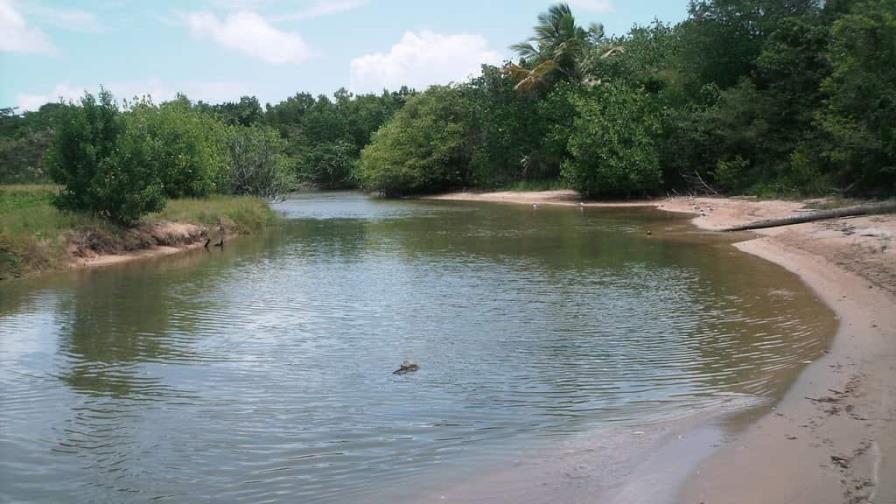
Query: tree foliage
x,y
188,150
860,117
424,148
105,167
258,165
611,148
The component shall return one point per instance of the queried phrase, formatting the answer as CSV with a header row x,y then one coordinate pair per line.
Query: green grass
x,y
34,234
239,214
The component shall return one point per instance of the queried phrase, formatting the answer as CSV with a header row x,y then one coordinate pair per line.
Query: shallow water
x,y
264,372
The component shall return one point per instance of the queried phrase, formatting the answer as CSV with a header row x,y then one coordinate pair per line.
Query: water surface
x,y
263,373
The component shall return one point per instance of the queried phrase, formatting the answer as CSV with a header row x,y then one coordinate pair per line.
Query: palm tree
x,y
554,50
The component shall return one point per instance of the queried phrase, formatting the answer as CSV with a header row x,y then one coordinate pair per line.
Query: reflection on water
x,y
263,373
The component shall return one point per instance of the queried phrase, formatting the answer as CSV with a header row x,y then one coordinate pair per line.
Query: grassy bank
x,y
35,236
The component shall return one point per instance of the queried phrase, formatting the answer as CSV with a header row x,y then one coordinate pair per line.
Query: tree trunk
x,y
836,213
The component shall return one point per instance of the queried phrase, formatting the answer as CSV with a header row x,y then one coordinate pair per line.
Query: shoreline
x,y
193,241
37,238
833,433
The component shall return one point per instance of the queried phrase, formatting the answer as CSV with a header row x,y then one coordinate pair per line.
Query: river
x,y
263,372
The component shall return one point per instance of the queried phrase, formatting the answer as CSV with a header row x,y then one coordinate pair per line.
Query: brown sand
x,y
832,438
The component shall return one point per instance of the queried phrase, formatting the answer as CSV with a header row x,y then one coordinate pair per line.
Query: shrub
x,y
257,164
103,168
424,148
611,151
188,147
328,165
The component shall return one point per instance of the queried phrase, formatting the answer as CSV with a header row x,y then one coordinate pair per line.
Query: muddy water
x,y
263,373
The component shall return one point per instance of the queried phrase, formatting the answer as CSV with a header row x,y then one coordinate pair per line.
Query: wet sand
x,y
832,437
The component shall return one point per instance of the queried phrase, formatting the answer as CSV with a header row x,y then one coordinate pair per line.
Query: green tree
x,y
426,147
24,142
325,136
611,148
555,50
188,147
509,132
104,168
329,165
860,117
257,164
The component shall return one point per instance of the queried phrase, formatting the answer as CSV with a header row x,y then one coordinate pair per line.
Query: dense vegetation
x,y
762,96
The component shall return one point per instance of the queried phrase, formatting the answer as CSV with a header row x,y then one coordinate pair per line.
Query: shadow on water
x,y
264,370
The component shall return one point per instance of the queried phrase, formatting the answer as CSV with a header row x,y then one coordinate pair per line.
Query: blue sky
x,y
218,50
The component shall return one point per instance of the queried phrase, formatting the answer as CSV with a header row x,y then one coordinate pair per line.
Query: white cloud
x,y
209,91
69,19
250,34
592,5
422,59
17,36
323,8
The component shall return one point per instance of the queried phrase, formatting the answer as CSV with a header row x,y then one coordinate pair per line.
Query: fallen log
x,y
835,213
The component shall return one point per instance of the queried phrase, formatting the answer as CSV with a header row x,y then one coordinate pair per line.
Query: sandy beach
x,y
832,437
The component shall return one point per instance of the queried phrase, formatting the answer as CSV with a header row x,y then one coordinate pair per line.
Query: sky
x,y
219,50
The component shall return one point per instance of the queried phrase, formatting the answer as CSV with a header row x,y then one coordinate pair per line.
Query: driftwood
x,y
836,213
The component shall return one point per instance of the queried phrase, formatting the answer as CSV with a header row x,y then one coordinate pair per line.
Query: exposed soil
x,y
98,247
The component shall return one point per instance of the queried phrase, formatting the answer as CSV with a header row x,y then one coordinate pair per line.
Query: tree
x,y
257,164
105,168
611,148
325,136
24,141
426,146
188,147
509,132
860,117
555,50
329,165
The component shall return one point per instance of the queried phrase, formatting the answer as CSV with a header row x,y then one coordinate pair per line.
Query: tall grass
x,y
34,234
239,214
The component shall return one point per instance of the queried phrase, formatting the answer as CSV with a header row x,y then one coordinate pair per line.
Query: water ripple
x,y
263,373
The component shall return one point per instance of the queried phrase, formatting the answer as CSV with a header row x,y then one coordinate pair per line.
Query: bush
x,y
328,165
732,174
424,148
105,170
860,118
188,147
257,164
611,151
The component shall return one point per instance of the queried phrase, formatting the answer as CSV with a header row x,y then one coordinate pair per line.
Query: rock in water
x,y
406,367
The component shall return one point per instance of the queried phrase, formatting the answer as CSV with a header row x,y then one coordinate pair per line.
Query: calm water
x,y
263,373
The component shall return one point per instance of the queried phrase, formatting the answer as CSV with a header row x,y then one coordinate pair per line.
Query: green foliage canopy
x,y
105,168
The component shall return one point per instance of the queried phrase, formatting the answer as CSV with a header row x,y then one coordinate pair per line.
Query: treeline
x,y
121,162
772,97
762,96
